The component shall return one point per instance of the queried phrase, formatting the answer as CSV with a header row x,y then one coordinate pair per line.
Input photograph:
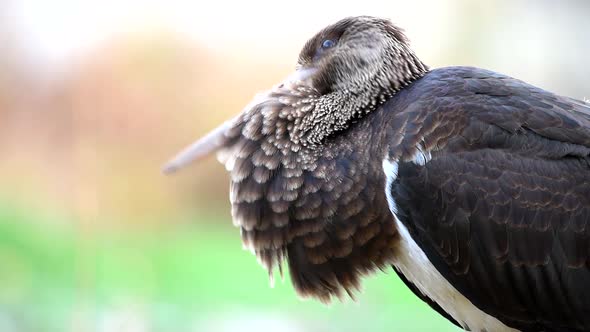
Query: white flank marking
x,y
416,267
390,170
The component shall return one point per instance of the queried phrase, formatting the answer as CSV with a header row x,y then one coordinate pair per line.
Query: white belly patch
x,y
412,262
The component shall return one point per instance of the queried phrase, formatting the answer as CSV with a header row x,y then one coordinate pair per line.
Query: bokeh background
x,y
96,96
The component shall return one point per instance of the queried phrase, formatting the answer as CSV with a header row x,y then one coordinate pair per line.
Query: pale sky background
x,y
57,29
535,40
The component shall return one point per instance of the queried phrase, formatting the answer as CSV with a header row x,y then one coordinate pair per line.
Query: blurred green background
x,y
96,96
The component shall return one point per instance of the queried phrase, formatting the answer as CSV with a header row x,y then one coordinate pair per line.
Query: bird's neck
x,y
323,210
335,111
304,187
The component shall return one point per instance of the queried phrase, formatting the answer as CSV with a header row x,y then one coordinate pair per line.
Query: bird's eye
x,y
328,43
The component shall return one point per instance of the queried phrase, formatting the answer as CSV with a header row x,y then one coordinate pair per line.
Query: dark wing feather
x,y
503,208
516,246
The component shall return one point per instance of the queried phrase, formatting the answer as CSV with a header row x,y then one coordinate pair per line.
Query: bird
x,y
473,186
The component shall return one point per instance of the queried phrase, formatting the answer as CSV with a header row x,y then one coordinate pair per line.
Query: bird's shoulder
x,y
468,103
499,202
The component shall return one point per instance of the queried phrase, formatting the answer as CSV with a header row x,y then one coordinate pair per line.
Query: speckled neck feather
x,y
302,187
377,62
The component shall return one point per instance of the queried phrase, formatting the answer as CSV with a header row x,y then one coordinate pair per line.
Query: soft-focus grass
x,y
190,277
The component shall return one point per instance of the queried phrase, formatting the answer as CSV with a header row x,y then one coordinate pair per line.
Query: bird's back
x,y
500,203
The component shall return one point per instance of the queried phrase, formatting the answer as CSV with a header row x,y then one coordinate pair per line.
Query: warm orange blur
x,y
92,137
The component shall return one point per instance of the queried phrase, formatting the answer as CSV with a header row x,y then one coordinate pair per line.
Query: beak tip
x,y
169,168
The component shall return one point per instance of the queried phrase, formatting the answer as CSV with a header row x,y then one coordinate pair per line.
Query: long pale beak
x,y
198,150
301,75
213,140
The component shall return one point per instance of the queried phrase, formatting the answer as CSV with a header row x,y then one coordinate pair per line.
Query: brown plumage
x,y
475,186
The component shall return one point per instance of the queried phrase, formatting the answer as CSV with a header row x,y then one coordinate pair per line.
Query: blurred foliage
x,y
189,277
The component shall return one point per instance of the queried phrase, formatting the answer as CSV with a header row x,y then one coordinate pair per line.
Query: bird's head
x,y
343,72
299,190
363,55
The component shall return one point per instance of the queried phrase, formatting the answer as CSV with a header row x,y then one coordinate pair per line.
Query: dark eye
x,y
328,43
